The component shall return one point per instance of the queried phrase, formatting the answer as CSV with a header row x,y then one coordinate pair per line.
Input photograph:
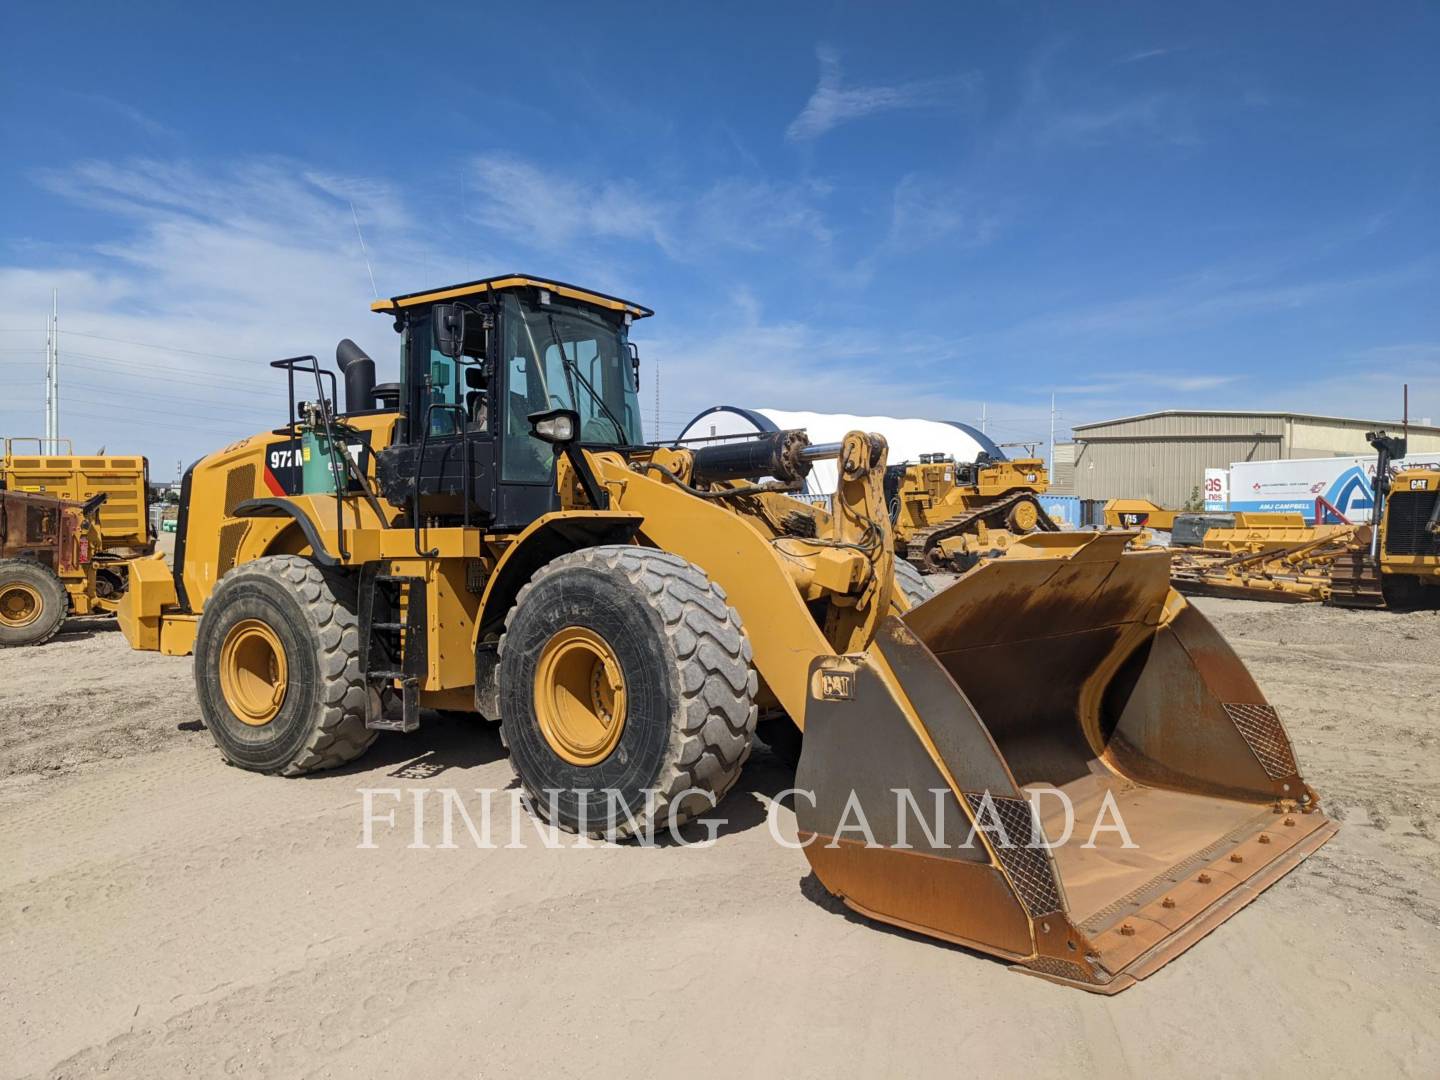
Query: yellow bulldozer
x,y
948,515
491,533
68,526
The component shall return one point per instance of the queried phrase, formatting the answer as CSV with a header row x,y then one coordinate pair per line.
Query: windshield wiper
x,y
574,369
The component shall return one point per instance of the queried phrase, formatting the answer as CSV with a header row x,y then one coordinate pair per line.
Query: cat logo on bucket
x,y
831,685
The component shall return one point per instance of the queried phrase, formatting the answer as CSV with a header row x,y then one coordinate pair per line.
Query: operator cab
x,y
476,361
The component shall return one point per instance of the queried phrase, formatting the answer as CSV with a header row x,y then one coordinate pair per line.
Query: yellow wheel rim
x,y
1023,517
20,605
580,696
253,672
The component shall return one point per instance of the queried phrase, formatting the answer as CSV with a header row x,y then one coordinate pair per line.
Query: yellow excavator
x,y
491,533
950,514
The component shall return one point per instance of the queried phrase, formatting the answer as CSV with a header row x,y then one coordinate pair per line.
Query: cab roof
x,y
511,281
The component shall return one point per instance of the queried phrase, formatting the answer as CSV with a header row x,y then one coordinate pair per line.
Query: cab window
x,y
564,355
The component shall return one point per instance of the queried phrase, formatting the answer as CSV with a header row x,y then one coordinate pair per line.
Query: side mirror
x,y
558,427
447,329
634,364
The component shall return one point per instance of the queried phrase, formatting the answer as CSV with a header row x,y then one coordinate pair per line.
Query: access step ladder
x,y
393,643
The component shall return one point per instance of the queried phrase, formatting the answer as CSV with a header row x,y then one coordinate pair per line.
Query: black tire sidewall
x,y
275,745
55,602
618,612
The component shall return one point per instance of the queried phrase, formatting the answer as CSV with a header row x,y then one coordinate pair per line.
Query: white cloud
x,y
832,104
552,210
1158,117
795,364
166,330
572,214
927,210
1145,54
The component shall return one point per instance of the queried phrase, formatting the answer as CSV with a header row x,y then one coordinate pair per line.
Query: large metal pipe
x,y
821,451
359,371
781,454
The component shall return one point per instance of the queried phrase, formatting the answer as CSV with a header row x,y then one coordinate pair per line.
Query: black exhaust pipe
x,y
359,371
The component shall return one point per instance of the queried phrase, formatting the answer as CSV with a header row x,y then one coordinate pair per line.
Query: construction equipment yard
x,y
159,918
706,540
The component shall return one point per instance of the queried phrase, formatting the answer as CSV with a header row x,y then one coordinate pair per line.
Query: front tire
x,y
624,672
33,603
277,668
912,583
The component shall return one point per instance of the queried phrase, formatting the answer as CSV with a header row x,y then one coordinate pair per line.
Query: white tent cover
x,y
908,438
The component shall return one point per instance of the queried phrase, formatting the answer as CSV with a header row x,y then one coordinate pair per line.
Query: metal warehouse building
x,y
1163,456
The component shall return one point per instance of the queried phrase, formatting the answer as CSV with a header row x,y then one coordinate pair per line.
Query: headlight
x,y
556,426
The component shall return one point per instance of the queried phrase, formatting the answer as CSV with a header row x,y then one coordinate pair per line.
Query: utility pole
x,y
656,364
52,376
1051,467
55,333
984,417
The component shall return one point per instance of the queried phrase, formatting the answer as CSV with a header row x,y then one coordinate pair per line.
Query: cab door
x,y
445,454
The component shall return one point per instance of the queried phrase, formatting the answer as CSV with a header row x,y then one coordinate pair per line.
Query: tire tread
x,y
715,667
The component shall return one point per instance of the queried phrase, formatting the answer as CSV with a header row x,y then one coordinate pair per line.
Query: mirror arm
x,y
597,496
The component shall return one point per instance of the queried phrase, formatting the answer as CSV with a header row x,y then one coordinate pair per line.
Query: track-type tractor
x,y
1392,562
948,515
491,533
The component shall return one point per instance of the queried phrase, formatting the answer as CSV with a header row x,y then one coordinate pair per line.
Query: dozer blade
x,y
1065,682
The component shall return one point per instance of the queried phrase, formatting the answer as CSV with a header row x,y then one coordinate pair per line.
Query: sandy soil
x,y
162,914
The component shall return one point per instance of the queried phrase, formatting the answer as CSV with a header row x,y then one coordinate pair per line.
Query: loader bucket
x,y
1063,683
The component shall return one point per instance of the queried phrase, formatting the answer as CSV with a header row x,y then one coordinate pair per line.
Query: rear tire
x,y
277,668
654,628
33,603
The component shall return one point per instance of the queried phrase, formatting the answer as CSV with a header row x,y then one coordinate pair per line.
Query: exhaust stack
x,y
359,371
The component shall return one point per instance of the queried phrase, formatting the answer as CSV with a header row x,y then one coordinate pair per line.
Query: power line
x,y
162,348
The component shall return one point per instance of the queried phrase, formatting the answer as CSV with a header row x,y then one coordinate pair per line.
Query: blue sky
x,y
911,209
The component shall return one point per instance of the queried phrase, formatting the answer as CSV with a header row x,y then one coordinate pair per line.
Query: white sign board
x,y
1217,489
1347,483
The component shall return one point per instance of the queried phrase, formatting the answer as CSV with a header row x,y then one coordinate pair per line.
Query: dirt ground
x,y
162,914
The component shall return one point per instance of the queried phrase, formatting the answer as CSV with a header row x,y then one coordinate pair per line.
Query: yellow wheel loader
x,y
948,515
491,533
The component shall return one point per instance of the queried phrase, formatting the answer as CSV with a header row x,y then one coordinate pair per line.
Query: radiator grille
x,y
1405,532
231,536
239,486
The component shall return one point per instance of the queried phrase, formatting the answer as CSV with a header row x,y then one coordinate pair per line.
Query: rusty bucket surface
x,y
959,768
